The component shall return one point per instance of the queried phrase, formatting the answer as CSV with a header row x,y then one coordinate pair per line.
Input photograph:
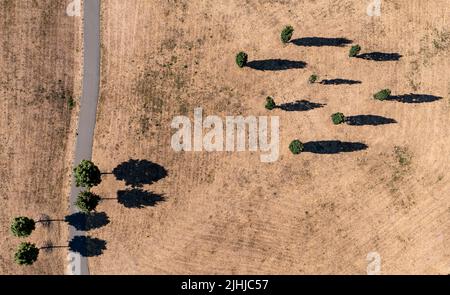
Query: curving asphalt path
x,y
86,122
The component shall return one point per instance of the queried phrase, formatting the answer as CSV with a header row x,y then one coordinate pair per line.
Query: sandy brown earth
x,y
39,59
227,213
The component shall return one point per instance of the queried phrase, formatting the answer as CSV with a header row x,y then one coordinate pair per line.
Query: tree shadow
x,y
136,173
48,247
333,147
372,120
87,246
414,98
138,198
300,106
276,64
380,56
321,41
46,221
340,82
86,222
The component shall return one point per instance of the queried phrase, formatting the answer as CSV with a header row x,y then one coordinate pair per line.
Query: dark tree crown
x,y
87,201
270,103
87,174
241,59
22,226
26,254
354,51
383,94
296,147
338,118
286,34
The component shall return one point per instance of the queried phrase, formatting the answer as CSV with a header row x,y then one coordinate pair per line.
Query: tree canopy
x,y
22,226
241,59
296,147
286,34
383,94
354,50
338,118
87,201
87,174
26,254
270,103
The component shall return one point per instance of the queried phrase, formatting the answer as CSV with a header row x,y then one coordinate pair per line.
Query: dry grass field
x,y
40,70
165,212
228,213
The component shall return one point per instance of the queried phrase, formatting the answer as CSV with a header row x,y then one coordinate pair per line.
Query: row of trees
x,y
87,175
27,253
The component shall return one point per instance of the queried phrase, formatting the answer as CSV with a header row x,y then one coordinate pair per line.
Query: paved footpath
x,y
86,123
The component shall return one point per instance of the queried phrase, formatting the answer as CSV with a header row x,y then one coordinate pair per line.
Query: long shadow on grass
x,y
321,41
138,198
414,98
137,173
333,147
371,120
276,64
87,246
86,222
300,106
340,82
380,56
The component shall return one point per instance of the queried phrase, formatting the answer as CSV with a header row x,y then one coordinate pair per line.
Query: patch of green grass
x,y
403,156
441,40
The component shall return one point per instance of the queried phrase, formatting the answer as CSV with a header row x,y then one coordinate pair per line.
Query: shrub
x,y
270,103
71,102
338,118
296,147
383,94
241,59
286,34
22,226
355,50
87,201
87,174
313,79
26,254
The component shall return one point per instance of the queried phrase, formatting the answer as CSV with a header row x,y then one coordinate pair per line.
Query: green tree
x,y
270,103
241,59
286,34
87,201
338,118
87,174
355,50
383,94
296,147
313,79
26,254
22,226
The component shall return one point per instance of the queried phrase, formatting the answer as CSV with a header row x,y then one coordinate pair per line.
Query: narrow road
x,y
78,265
